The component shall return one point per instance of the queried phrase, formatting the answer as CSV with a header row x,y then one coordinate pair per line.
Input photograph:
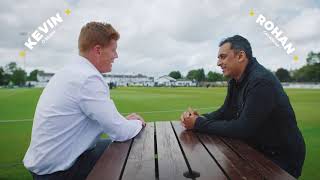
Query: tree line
x,y
308,73
12,75
199,75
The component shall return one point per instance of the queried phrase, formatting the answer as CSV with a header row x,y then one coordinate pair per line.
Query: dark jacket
x,y
258,111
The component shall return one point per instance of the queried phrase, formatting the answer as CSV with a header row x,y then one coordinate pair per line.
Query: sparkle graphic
x,y
67,11
22,54
251,13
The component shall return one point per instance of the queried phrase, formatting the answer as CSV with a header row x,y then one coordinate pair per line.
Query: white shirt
x,y
72,112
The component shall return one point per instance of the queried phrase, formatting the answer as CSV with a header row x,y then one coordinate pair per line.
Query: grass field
x,y
154,104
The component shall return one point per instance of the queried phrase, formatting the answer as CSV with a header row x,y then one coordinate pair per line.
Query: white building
x,y
44,77
169,81
301,85
124,80
166,81
185,82
129,80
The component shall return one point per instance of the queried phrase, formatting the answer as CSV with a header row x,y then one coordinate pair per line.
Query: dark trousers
x,y
81,168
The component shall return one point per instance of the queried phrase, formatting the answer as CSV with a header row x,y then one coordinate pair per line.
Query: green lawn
x,y
153,104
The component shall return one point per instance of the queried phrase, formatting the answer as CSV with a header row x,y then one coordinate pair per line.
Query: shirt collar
x,y
86,61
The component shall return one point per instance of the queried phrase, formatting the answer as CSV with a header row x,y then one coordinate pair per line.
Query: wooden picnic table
x,y
165,150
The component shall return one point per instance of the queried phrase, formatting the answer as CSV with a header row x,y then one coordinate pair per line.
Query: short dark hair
x,y
238,43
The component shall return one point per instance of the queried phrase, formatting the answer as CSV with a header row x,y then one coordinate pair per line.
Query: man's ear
x,y
241,56
97,49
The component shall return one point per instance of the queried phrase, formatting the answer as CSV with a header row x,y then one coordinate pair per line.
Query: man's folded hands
x,y
188,118
134,116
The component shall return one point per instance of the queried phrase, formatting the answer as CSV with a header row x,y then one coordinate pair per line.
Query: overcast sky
x,y
159,36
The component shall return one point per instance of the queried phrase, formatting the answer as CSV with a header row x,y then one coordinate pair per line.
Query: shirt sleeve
x,y
219,113
97,105
258,104
215,115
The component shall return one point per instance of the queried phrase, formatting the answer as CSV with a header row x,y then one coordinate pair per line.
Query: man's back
x,y
72,112
75,108
60,127
278,136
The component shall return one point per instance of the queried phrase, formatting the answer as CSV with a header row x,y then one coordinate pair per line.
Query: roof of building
x,y
167,77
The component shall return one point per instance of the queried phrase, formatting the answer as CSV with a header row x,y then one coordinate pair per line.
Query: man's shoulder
x,y
73,76
260,75
79,70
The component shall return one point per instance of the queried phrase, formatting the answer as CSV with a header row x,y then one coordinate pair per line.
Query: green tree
x,y
10,68
308,73
6,79
6,74
311,71
313,58
192,74
1,76
175,74
213,76
201,75
283,75
33,75
19,77
197,74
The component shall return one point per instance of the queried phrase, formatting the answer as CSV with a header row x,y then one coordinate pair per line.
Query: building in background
x,y
165,81
129,80
43,76
42,79
185,83
124,80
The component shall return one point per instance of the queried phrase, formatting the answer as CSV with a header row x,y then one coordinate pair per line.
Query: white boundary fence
x,y
301,85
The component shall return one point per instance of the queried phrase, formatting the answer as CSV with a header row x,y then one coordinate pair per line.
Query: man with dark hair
x,y
256,109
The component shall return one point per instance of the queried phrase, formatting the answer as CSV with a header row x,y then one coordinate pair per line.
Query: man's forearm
x,y
234,129
215,115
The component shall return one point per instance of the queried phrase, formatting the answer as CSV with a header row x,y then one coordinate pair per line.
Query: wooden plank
x,y
196,154
141,161
110,164
171,163
265,166
233,165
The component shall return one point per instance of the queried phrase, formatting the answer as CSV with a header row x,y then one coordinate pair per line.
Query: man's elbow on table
x,y
127,131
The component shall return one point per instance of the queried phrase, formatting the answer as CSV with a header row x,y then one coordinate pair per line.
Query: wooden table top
x,y
165,150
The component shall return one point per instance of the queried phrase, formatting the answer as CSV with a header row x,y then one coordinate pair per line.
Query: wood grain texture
x,y
265,166
196,154
232,164
141,160
110,164
171,162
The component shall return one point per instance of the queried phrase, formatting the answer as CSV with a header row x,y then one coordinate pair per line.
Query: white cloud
x,y
305,26
158,36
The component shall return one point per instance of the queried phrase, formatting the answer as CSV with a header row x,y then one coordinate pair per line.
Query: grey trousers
x,y
81,168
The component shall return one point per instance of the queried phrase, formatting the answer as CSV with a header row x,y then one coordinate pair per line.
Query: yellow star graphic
x,y
22,53
251,13
67,11
295,58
